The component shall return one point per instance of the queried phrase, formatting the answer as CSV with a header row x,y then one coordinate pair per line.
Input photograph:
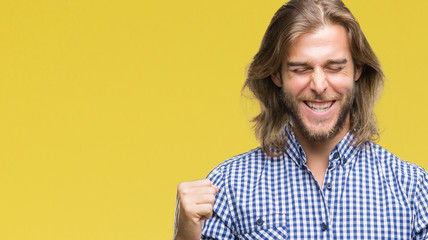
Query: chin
x,y
319,131
318,136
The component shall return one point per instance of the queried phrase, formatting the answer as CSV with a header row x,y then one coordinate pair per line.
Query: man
x,y
317,175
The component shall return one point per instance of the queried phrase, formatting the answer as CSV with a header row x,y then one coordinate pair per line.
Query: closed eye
x,y
336,65
335,68
299,70
298,67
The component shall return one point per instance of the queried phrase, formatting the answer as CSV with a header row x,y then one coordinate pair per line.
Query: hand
x,y
195,202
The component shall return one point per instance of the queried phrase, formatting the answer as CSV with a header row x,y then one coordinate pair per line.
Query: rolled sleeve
x,y
420,230
220,225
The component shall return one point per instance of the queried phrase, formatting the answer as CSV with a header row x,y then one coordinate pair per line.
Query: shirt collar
x,y
294,150
343,153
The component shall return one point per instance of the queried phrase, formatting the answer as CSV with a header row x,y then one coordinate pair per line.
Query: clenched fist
x,y
195,202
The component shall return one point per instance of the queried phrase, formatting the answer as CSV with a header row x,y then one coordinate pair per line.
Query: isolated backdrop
x,y
105,106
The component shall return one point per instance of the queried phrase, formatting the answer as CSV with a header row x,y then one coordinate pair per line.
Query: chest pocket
x,y
266,227
266,234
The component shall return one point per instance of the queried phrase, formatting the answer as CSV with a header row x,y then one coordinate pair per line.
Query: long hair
x,y
293,19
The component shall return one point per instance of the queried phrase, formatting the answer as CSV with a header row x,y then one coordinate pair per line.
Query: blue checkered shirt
x,y
368,193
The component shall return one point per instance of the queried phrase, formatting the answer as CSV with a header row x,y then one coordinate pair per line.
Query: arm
x,y
420,229
194,205
221,225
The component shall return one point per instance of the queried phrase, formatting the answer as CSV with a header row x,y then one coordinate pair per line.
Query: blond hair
x,y
293,19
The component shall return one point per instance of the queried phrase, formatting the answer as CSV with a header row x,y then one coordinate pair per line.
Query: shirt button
x,y
336,155
345,160
259,222
329,186
324,226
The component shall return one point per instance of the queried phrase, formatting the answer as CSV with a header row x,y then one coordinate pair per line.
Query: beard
x,y
311,135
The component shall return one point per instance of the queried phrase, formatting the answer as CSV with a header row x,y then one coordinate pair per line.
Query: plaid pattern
x,y
368,193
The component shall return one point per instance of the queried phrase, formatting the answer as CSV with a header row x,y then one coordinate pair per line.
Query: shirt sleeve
x,y
421,207
220,225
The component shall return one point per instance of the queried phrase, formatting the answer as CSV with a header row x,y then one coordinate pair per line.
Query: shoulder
x,y
393,162
245,163
406,175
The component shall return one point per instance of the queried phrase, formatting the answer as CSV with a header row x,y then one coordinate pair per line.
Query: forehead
x,y
325,43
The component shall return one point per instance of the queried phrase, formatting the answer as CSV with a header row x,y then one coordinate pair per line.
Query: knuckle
x,y
183,202
209,215
184,191
211,199
204,181
183,188
211,190
210,208
206,209
180,187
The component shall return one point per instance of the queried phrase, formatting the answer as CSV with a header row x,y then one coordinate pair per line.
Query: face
x,y
317,79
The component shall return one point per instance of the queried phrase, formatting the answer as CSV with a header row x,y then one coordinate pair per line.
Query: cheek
x,y
296,85
341,84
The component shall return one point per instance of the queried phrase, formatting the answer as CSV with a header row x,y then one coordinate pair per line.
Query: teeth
x,y
319,107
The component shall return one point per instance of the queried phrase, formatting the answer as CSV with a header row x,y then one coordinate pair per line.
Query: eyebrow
x,y
300,64
342,61
296,64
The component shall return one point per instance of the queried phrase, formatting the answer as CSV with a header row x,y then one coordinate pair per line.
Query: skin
x,y
195,202
319,71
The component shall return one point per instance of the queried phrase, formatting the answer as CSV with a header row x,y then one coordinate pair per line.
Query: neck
x,y
323,148
317,152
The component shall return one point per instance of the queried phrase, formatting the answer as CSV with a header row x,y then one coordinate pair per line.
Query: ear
x,y
358,71
276,79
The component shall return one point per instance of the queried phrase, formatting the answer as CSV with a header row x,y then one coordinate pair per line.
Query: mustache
x,y
320,97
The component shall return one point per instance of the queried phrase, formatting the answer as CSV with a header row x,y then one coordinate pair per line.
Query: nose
x,y
319,82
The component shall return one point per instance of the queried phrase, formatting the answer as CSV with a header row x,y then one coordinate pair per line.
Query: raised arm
x,y
194,205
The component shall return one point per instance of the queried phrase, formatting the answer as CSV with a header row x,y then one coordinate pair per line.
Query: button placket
x,y
336,155
334,160
259,222
329,192
324,226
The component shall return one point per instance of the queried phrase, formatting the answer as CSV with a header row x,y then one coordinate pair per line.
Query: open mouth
x,y
319,106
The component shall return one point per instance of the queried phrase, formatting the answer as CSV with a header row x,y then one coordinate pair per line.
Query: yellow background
x,y
105,106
